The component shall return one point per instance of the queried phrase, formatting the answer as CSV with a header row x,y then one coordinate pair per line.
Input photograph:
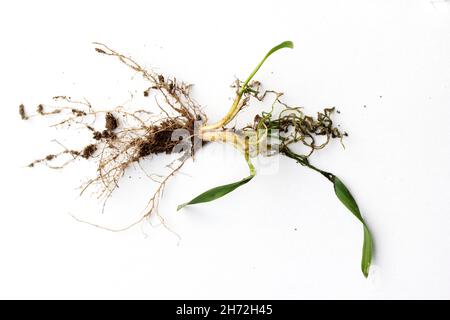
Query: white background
x,y
284,235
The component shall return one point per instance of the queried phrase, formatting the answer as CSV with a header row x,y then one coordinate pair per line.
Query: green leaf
x,y
285,44
216,193
220,191
347,199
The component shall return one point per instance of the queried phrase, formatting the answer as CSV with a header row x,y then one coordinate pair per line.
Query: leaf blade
x,y
216,193
349,202
284,44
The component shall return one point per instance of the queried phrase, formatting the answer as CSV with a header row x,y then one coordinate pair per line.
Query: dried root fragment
x,y
294,126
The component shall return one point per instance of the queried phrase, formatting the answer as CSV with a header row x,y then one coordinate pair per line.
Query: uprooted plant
x,y
131,136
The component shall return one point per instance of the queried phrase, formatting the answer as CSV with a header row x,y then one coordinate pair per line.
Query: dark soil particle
x,y
145,149
159,138
40,109
100,51
88,151
97,135
105,134
110,122
78,113
22,112
108,134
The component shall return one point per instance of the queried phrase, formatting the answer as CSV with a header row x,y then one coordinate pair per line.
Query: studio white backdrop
x,y
384,64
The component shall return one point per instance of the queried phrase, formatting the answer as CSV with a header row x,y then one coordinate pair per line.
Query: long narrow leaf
x,y
235,107
285,44
347,199
216,193
220,191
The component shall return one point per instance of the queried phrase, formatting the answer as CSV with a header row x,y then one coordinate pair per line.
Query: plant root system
x,y
121,138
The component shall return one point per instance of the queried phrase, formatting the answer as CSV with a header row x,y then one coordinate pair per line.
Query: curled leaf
x,y
349,202
347,199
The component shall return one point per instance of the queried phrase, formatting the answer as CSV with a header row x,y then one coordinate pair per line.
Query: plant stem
x,y
225,136
237,103
304,162
235,107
